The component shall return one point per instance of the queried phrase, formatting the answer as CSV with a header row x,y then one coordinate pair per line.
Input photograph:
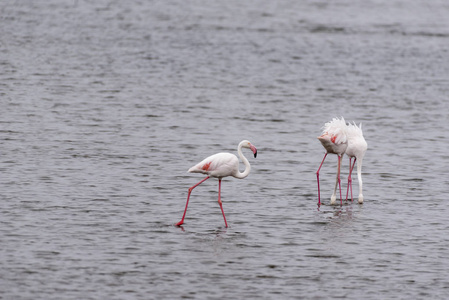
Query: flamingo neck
x,y
359,176
245,173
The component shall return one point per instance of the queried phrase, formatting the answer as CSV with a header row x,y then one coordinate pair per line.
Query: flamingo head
x,y
247,144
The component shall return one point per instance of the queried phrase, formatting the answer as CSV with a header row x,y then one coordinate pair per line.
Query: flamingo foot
x,y
179,223
333,199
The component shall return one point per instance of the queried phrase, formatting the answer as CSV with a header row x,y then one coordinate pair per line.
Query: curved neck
x,y
245,162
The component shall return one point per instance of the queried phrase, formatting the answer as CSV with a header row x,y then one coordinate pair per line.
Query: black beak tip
x,y
255,154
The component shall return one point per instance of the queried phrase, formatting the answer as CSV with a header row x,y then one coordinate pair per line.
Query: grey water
x,y
106,104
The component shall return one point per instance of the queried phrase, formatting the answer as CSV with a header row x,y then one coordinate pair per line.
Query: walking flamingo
x,y
356,149
221,165
335,141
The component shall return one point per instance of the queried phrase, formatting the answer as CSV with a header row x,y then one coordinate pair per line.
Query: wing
x,y
336,129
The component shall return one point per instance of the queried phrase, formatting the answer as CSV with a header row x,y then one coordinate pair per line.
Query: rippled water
x,y
106,104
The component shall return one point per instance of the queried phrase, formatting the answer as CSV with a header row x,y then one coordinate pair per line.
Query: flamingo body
x,y
357,144
329,143
218,165
221,165
334,138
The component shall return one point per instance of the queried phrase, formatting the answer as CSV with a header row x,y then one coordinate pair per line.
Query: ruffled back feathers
x,y
337,128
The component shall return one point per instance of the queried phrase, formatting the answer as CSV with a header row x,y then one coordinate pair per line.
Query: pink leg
x,y
338,176
219,202
188,197
318,179
352,199
349,178
351,167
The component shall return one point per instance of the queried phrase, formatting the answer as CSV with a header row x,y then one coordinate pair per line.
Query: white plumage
x,y
356,142
337,127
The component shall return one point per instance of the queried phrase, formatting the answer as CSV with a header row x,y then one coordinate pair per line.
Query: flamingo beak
x,y
254,150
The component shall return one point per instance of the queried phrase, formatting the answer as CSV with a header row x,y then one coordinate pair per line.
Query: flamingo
x,y
356,149
221,165
335,141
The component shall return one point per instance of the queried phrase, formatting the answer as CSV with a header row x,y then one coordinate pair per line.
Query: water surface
x,y
105,105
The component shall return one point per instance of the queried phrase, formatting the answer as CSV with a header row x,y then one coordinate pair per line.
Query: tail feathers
x,y
354,130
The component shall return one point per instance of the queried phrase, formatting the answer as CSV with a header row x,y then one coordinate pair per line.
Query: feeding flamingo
x,y
335,141
356,149
221,165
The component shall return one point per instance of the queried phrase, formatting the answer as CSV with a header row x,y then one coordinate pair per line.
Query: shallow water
x,y
107,104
